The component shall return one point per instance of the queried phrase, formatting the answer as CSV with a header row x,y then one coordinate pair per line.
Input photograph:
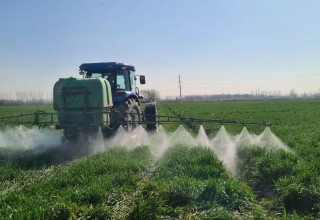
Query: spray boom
x,y
42,118
189,121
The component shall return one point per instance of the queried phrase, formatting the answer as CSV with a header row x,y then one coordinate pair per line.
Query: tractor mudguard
x,y
122,96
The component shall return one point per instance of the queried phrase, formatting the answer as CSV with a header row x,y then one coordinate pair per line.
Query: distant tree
x,y
150,94
293,94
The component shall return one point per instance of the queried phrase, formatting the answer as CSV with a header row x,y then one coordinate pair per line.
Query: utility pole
x,y
180,85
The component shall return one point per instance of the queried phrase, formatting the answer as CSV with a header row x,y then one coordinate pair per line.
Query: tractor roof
x,y
101,67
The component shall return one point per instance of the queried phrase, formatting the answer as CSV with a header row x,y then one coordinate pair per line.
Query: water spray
x,y
222,144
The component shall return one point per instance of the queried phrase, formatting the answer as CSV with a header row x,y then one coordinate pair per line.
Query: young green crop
x,y
24,110
286,179
88,187
192,183
187,182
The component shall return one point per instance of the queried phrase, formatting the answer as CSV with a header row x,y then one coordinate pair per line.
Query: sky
x,y
217,46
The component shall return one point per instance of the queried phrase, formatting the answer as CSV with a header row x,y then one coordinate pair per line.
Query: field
x,y
43,179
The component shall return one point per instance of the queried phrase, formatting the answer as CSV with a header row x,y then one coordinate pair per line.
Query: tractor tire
x,y
128,114
150,114
133,114
70,133
85,134
110,130
91,134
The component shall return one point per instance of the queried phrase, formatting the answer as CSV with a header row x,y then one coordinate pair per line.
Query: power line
x,y
180,85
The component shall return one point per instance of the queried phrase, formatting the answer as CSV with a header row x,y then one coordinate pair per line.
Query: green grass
x,y
16,110
281,180
87,187
24,110
192,183
186,183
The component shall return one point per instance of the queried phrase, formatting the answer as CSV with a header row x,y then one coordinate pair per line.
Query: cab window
x,y
123,80
96,75
132,81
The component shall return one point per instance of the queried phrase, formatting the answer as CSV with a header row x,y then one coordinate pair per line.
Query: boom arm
x,y
183,120
42,118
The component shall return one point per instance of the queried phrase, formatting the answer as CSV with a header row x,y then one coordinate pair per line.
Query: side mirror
x,y
142,79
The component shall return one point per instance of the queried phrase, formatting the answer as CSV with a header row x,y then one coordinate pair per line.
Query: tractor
x,y
105,98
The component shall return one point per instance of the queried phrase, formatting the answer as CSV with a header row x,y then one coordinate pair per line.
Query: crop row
x,y
281,180
187,182
88,187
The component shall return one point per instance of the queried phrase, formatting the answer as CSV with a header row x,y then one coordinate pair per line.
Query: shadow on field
x,y
45,156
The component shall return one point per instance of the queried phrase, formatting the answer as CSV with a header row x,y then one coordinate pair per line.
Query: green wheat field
x,y
185,181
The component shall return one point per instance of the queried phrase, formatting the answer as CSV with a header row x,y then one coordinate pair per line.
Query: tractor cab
x,y
126,109
121,77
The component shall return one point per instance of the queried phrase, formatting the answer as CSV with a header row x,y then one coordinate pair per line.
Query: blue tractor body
x,y
126,110
121,77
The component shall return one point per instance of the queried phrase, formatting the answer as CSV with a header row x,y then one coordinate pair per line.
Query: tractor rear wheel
x,y
83,134
150,114
70,133
133,117
127,114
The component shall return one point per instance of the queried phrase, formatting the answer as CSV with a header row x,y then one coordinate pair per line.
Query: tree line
x,y
25,98
254,95
152,95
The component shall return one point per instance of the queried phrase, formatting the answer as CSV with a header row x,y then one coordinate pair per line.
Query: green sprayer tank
x,y
82,104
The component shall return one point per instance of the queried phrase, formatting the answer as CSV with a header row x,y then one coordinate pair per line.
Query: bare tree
x,y
293,94
150,94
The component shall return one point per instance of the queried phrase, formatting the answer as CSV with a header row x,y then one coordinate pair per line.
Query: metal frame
x,y
161,119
